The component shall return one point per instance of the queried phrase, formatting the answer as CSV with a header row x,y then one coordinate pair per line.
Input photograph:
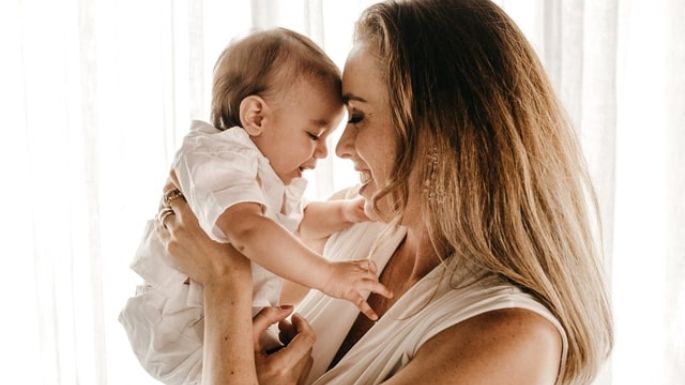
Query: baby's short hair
x,y
263,63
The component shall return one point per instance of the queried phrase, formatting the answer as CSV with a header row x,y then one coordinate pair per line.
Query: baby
x,y
276,98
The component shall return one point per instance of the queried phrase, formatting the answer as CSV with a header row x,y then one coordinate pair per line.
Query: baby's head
x,y
284,91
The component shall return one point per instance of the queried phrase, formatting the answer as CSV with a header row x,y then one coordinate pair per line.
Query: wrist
x,y
324,277
227,269
227,294
229,284
347,212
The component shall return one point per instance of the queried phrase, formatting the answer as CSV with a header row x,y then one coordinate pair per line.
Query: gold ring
x,y
162,215
171,195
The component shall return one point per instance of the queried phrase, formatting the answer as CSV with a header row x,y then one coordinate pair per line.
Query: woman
x,y
463,149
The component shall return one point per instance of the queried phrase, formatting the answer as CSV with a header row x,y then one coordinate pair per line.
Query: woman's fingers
x,y
302,326
305,366
170,243
286,332
162,233
265,318
301,345
292,363
182,211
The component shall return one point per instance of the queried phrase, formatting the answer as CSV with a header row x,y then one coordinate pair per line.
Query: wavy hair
x,y
504,183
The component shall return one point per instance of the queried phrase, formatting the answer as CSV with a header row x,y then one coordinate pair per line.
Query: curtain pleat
x,y
90,162
675,194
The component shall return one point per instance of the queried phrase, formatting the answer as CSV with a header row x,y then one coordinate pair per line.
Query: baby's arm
x,y
322,219
271,246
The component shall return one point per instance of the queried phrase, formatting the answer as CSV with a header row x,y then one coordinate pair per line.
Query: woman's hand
x,y
290,364
227,271
228,351
193,252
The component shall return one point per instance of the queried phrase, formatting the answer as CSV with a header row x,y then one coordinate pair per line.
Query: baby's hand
x,y
353,210
350,280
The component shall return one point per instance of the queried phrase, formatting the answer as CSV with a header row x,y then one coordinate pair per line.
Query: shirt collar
x,y
291,193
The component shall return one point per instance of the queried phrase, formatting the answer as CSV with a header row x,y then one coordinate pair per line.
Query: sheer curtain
x,y
96,95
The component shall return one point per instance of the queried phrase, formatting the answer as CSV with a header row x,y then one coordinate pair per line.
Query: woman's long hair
x,y
504,184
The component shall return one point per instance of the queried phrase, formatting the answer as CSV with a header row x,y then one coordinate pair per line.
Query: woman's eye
x,y
312,136
355,118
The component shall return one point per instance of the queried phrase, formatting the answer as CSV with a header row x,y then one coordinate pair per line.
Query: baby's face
x,y
303,118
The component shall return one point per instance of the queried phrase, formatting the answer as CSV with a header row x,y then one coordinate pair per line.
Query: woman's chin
x,y
365,190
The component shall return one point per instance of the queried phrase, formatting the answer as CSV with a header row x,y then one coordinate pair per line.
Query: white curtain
x,y
95,95
617,66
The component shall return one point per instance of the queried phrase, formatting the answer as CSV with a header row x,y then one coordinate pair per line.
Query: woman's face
x,y
369,137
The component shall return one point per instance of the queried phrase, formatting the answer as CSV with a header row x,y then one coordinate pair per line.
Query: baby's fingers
x,y
364,307
366,265
374,286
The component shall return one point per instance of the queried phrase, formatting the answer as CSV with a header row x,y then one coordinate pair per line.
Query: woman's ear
x,y
252,113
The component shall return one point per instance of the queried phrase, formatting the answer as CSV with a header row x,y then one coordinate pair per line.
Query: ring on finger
x,y
162,215
171,195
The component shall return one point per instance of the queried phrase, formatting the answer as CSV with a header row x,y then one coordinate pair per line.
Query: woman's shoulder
x,y
488,297
438,332
487,331
512,345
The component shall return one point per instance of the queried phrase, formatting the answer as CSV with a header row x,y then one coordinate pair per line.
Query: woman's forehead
x,y
362,80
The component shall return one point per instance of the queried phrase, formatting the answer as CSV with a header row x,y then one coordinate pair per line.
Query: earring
x,y
431,190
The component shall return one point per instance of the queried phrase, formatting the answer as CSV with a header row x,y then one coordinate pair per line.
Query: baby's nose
x,y
321,150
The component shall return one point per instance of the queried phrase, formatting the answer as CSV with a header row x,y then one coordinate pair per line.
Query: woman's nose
x,y
344,148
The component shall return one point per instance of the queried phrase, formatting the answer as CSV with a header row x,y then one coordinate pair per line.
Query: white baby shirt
x,y
216,170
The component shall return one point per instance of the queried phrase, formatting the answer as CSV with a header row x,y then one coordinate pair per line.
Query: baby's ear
x,y
252,113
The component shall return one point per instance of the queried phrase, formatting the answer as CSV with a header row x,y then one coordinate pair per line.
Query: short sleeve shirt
x,y
219,169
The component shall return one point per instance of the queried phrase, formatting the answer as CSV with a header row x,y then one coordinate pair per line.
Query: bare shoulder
x,y
513,346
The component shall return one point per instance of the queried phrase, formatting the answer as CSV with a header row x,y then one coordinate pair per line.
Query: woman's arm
x,y
230,340
228,350
510,346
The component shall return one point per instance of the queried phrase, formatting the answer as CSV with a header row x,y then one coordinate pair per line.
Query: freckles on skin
x,y
369,137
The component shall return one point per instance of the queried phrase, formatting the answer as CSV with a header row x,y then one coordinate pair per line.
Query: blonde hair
x,y
505,186
265,63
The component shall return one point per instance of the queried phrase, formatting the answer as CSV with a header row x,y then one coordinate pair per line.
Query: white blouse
x,y
430,306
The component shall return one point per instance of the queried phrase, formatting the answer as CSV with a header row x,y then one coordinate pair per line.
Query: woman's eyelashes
x,y
312,136
355,118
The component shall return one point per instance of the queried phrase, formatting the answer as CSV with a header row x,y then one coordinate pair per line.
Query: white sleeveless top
x,y
432,305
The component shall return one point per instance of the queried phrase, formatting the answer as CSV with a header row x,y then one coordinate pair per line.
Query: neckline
x,y
402,308
290,193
